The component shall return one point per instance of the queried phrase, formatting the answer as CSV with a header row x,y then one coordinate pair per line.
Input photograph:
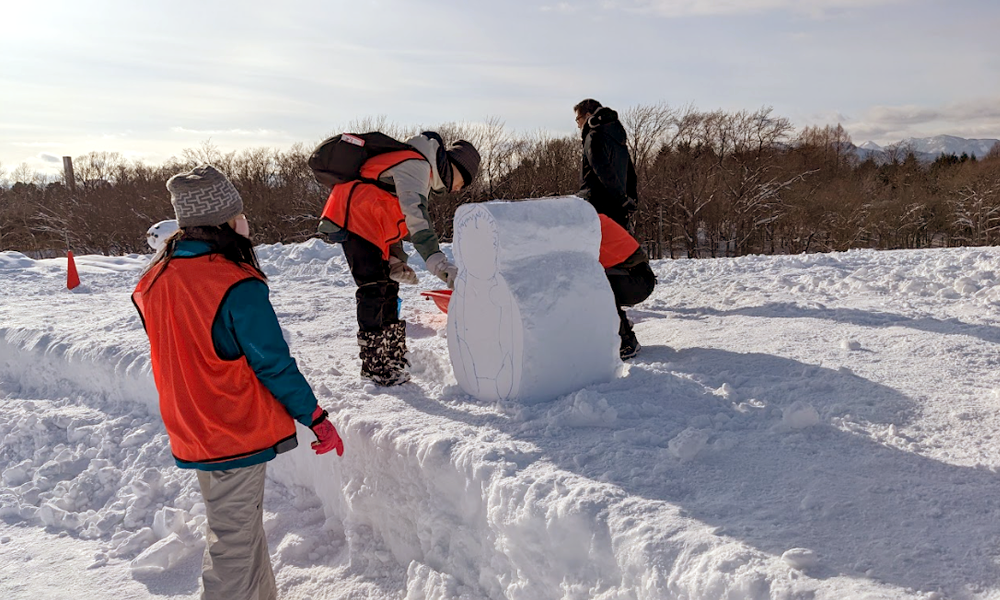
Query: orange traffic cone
x,y
72,277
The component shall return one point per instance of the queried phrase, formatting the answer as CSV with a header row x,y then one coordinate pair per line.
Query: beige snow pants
x,y
237,565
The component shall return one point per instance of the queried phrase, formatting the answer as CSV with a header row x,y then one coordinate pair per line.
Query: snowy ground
x,y
819,426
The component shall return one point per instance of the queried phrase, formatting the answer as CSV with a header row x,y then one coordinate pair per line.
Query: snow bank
x,y
746,454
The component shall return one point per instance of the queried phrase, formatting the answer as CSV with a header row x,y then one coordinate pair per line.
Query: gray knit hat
x,y
465,156
203,197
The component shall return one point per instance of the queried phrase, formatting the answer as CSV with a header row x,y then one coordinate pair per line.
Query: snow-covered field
x,y
819,426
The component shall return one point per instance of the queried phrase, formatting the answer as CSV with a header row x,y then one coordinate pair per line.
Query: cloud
x,y
50,158
979,118
984,109
36,144
265,133
903,115
561,7
688,8
863,132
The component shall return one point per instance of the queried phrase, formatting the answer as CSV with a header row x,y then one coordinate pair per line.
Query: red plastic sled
x,y
440,297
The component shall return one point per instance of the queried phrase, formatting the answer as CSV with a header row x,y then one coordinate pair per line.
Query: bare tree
x,y
22,173
689,190
376,123
545,166
895,154
95,168
498,153
207,153
977,212
831,143
993,154
649,128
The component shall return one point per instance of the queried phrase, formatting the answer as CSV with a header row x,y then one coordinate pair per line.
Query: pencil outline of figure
x,y
493,375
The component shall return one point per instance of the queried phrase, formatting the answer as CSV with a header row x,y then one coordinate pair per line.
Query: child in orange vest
x,y
371,222
631,278
230,392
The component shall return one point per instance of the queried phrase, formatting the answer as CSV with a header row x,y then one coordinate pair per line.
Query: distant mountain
x,y
928,149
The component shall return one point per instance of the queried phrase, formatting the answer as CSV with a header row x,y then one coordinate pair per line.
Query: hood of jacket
x,y
606,121
434,153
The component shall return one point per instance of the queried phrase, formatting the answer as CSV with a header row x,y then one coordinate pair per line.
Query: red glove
x,y
327,437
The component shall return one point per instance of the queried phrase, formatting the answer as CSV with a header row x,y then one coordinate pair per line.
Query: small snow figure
x,y
800,558
157,234
800,415
850,345
687,444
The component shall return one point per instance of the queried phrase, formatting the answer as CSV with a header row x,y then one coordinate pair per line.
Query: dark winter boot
x,y
630,345
395,344
375,362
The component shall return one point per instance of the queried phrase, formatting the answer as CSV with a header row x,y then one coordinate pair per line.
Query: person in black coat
x,y
607,174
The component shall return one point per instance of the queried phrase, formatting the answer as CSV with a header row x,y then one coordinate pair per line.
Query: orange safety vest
x,y
616,243
214,410
366,209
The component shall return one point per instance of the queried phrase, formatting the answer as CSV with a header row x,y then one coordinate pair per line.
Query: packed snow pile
x,y
747,452
532,316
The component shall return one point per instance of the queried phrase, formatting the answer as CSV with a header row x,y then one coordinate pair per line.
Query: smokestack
x,y
68,173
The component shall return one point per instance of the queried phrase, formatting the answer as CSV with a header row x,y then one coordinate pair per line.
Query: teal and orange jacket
x,y
229,388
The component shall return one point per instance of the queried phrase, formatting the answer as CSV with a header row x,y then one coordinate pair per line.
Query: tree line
x,y
711,184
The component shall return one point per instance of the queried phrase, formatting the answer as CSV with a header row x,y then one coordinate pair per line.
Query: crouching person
x,y
631,278
229,389
371,217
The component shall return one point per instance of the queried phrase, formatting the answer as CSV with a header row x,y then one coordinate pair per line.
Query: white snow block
x,y
532,316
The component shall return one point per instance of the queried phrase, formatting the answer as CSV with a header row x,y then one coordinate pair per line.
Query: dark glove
x,y
327,437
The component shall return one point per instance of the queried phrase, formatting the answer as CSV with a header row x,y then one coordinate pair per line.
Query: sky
x,y
150,79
